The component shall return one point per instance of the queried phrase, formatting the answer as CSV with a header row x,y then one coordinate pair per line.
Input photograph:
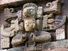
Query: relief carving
x,y
30,26
54,7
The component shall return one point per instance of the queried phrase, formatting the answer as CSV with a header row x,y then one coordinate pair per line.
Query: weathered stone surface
x,y
56,44
29,15
42,38
50,46
45,18
8,13
8,1
6,32
14,25
59,21
38,26
32,48
19,39
29,10
51,26
9,32
39,12
50,20
29,24
5,42
21,26
4,4
54,7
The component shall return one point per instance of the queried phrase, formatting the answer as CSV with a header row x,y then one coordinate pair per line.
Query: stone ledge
x,y
56,44
50,45
8,1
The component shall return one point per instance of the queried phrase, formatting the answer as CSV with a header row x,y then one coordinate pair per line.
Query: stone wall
x,y
64,11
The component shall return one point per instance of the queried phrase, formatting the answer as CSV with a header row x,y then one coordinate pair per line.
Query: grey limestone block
x,y
60,33
39,12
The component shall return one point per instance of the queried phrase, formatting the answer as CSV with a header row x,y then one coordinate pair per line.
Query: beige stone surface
x,y
50,20
9,32
39,11
43,37
29,24
51,26
45,18
18,39
8,1
5,32
5,42
38,26
60,34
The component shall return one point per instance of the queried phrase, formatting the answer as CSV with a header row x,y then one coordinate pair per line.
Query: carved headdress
x,y
29,10
29,5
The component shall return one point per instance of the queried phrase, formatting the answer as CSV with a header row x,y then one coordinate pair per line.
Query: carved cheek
x,y
29,25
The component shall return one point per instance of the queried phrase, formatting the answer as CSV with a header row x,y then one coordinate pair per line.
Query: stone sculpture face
x,y
29,24
29,12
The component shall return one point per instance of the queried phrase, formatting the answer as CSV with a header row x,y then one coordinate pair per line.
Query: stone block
x,y
38,26
16,49
5,42
60,33
8,1
39,12
42,37
18,40
54,7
